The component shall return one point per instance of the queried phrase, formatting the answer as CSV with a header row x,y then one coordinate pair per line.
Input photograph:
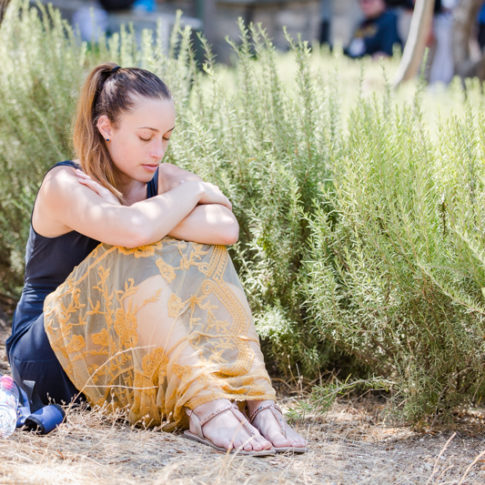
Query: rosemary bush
x,y
361,210
395,277
39,60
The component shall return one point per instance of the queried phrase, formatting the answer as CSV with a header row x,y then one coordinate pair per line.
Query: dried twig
x,y
435,467
470,466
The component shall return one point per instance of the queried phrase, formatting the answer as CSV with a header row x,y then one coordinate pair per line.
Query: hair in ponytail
x,y
108,90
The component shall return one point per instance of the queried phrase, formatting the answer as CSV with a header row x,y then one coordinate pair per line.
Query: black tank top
x,y
48,262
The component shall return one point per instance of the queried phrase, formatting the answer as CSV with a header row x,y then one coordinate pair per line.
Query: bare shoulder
x,y
62,172
56,192
58,182
169,176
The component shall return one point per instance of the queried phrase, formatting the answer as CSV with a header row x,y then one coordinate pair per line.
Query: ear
x,y
104,126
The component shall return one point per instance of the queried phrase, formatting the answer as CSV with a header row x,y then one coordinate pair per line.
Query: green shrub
x,y
361,209
41,62
396,279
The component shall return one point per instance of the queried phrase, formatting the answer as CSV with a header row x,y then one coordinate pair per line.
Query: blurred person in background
x,y
481,27
92,18
326,13
377,33
404,10
442,65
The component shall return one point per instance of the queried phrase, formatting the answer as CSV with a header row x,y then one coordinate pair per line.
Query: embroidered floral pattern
x,y
157,328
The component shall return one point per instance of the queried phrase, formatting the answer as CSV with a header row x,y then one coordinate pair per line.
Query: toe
x,y
279,441
252,445
296,439
292,439
265,444
259,443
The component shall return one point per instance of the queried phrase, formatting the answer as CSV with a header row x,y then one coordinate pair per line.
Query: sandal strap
x,y
242,418
275,410
262,407
215,413
200,422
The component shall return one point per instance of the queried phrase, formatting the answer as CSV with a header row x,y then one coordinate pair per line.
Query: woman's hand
x,y
172,176
212,194
96,187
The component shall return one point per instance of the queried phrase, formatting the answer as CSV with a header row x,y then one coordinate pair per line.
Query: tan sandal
x,y
278,414
199,423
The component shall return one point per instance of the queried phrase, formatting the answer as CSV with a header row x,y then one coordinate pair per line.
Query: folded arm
x,y
207,223
66,202
69,202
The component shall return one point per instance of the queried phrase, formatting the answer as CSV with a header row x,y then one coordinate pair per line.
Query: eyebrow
x,y
154,129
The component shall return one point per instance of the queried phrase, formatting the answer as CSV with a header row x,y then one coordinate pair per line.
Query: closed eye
x,y
149,139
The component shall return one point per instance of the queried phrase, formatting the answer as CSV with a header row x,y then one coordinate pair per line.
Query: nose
x,y
157,150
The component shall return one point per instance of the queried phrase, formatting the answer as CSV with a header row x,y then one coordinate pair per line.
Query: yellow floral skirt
x,y
155,329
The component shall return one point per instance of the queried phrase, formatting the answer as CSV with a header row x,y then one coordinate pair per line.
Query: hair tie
x,y
116,68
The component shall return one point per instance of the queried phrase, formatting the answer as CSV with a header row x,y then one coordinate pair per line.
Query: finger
x,y
213,187
80,173
90,185
226,203
93,183
84,176
88,180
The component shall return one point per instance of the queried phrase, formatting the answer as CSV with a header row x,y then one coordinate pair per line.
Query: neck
x,y
131,189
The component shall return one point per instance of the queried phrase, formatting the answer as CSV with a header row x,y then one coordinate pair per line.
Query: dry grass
x,y
346,446
350,444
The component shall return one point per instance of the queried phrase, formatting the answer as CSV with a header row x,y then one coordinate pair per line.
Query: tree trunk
x,y
465,16
416,43
3,8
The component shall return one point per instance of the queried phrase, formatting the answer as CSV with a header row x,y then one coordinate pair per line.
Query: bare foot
x,y
268,419
229,430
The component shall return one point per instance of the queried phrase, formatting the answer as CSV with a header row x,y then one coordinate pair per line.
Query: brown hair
x,y
108,90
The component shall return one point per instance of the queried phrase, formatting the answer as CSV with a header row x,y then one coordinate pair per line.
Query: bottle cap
x,y
7,382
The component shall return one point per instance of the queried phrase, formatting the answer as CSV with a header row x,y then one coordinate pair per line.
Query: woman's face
x,y
372,8
139,139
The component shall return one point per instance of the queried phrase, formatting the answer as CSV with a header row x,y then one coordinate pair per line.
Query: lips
x,y
151,167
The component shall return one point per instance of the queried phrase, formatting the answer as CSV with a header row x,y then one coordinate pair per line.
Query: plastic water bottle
x,y
9,400
146,6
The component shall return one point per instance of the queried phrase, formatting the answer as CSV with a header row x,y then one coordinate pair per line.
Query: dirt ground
x,y
352,443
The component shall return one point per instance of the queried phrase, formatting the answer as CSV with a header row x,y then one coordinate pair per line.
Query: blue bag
x,y
44,419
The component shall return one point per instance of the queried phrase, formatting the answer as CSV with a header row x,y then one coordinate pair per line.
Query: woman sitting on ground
x,y
130,297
